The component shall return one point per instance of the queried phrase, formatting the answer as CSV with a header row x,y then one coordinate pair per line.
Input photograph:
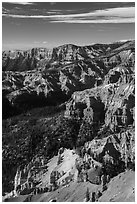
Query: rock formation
x,y
66,73
19,60
96,85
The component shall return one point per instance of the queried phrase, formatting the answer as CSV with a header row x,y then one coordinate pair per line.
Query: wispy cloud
x,y
115,20
45,42
53,12
39,42
113,15
24,16
22,3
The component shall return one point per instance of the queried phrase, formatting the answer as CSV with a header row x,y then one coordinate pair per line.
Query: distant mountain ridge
x,y
20,60
61,71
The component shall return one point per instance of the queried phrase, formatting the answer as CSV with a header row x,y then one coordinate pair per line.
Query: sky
x,y
49,24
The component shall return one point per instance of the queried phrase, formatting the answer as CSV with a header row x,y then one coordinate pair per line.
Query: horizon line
x,y
26,49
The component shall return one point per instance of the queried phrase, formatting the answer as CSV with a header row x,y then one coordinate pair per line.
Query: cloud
x,y
22,3
53,12
116,20
24,16
113,15
38,42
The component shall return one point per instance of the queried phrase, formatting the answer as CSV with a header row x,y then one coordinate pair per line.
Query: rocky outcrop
x,y
19,60
36,88
111,104
108,111
120,146
66,69
97,84
69,53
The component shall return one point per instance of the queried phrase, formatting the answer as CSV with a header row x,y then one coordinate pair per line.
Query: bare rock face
x,y
97,84
19,60
67,53
115,97
17,180
120,147
49,86
109,110
66,73
112,105
66,69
